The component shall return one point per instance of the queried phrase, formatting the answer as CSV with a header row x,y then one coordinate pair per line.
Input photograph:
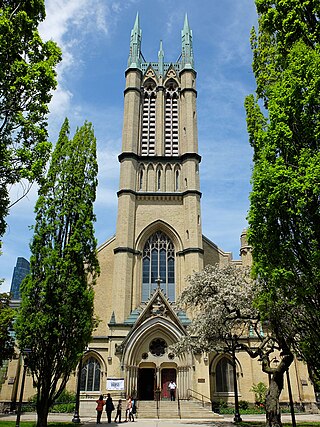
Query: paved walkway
x,y
225,421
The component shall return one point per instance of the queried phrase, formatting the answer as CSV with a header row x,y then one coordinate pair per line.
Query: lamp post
x,y
237,417
76,417
293,418
25,352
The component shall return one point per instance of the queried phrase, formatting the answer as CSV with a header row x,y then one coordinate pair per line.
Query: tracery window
x,y
158,262
224,376
90,375
148,133
158,347
171,119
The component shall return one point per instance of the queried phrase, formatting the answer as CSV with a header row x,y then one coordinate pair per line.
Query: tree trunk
x,y
42,413
273,414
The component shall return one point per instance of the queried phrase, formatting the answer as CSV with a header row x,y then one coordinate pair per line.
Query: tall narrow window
x,y
148,132
141,180
159,180
171,119
158,262
224,376
90,375
177,184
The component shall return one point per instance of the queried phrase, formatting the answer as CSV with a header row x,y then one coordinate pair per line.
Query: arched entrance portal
x,y
167,374
147,359
146,383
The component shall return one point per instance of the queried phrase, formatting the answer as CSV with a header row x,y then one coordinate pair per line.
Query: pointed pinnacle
x,y
136,22
186,23
161,53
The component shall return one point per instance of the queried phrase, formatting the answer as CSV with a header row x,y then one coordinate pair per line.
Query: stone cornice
x,y
131,88
125,249
158,194
189,89
190,250
158,159
188,70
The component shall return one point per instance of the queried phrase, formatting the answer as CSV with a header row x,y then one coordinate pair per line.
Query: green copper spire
x,y
187,51
160,59
134,60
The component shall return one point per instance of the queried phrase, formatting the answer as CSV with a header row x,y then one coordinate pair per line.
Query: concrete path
x,y
225,421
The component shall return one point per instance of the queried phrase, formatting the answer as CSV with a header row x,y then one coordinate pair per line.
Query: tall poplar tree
x,y
56,319
6,319
283,122
27,78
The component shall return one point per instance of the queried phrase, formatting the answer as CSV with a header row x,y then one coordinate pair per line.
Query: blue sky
x,y
94,37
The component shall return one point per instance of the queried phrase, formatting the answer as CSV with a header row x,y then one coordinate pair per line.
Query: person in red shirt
x,y
99,408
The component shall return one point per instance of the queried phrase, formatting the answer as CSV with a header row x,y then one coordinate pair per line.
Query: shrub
x,y
65,403
260,391
243,404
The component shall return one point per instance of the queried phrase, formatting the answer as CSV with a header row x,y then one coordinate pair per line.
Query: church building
x,y
157,245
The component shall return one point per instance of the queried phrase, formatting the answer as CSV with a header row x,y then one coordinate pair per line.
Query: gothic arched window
x,y
158,262
224,376
90,375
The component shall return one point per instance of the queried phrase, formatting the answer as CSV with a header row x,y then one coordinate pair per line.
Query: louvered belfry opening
x,y
171,119
148,134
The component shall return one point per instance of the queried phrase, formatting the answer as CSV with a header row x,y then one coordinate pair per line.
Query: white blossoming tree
x,y
221,303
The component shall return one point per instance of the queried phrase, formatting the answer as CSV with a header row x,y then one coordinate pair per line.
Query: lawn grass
x,y
261,423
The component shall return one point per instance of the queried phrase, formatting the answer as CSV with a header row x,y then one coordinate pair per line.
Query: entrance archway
x,y
146,383
167,374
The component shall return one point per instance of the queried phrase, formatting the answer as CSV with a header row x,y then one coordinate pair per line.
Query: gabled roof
x,y
159,307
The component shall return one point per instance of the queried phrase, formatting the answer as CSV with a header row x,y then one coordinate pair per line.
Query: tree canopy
x,y
283,123
224,319
56,319
27,78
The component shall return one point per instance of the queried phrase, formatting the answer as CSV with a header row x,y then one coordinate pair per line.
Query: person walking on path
x,y
172,387
100,404
119,408
129,413
109,407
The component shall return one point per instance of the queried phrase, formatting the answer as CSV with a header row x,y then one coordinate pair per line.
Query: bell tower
x,y
158,235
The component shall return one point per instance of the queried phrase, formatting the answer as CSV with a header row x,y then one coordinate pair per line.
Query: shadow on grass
x,y
33,424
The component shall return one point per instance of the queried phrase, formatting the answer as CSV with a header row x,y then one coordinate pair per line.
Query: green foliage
x,y
260,392
243,404
27,78
56,316
284,215
6,317
65,403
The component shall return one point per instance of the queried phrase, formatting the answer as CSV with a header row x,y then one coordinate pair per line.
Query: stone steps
x,y
167,409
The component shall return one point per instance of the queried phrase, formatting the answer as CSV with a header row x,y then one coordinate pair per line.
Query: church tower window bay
x,y
158,266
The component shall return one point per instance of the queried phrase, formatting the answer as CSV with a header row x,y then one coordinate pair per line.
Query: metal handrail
x,y
178,399
158,403
200,394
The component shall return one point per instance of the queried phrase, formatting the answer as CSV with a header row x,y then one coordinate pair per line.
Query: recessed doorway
x,y
146,383
167,374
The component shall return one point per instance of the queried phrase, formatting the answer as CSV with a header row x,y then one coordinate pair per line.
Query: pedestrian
x,y
99,408
129,414
119,408
172,387
109,407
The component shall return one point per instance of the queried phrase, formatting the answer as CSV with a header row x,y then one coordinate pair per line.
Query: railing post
x,y
179,407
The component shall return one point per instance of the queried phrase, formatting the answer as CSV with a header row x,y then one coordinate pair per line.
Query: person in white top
x,y
172,387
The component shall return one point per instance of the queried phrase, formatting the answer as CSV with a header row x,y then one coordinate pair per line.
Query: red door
x,y
167,374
